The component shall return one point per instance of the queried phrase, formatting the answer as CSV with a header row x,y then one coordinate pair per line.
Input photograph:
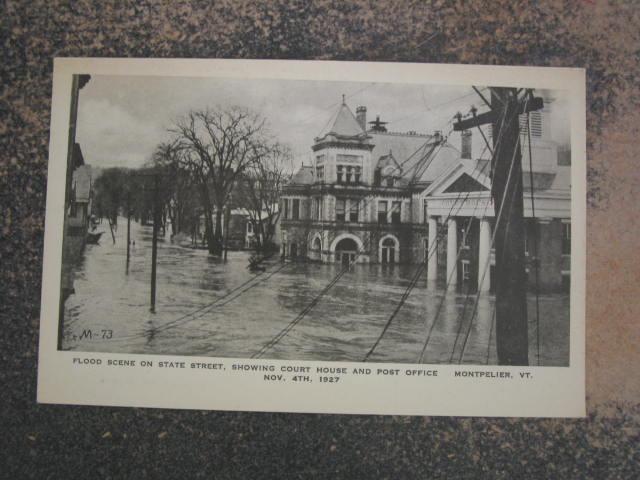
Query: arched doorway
x,y
346,251
389,250
316,249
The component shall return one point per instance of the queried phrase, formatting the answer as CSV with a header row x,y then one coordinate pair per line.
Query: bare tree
x,y
261,189
219,145
179,180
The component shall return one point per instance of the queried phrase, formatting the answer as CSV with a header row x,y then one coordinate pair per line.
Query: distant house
x,y
241,234
375,196
251,235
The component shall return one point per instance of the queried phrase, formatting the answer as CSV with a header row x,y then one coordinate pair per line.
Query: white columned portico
x,y
432,261
452,251
484,256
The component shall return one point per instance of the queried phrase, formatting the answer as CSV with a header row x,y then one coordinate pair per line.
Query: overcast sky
x,y
121,119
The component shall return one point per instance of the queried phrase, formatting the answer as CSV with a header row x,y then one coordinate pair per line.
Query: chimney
x,y
466,144
361,115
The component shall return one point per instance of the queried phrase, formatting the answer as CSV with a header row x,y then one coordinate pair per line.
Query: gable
x,y
465,183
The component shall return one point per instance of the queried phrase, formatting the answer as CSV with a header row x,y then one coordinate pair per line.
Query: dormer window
x,y
388,174
377,177
320,174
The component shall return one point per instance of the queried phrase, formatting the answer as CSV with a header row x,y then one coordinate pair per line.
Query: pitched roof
x,y
409,149
344,124
76,155
467,170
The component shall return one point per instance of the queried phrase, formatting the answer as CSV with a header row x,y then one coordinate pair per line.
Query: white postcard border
x,y
550,392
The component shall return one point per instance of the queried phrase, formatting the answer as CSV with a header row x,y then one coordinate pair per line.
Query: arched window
x,y
389,250
346,251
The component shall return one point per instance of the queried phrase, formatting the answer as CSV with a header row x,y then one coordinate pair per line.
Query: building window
x,y
389,181
249,227
319,159
317,208
566,239
377,176
295,211
425,216
353,210
388,251
358,175
340,173
320,174
349,174
382,211
396,212
286,207
466,270
340,209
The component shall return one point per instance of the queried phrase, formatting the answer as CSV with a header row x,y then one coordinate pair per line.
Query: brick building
x,y
376,196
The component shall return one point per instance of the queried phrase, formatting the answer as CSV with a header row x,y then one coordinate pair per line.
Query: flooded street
x,y
208,307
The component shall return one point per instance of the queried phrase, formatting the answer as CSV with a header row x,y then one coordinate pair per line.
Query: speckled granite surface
x,y
68,442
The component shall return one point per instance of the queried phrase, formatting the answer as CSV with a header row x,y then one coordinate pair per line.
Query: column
x,y
432,261
452,251
484,256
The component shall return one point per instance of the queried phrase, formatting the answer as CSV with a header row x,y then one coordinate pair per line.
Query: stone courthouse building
x,y
377,196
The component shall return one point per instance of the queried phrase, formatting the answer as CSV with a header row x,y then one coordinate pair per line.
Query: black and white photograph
x,y
357,221
311,236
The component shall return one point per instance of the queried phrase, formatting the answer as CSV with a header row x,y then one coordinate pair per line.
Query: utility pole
x,y
154,244
512,338
227,215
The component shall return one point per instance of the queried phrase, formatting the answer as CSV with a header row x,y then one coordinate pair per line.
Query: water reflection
x,y
209,307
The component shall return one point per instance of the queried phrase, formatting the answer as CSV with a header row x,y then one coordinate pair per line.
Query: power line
x,y
433,107
498,219
205,309
450,278
316,300
419,272
192,315
431,329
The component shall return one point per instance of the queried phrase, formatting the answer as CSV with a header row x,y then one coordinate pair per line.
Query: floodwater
x,y
208,307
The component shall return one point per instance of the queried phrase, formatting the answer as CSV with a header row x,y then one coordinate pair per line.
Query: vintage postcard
x,y
303,236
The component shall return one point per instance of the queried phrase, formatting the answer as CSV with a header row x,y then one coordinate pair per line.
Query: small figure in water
x,y
254,264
